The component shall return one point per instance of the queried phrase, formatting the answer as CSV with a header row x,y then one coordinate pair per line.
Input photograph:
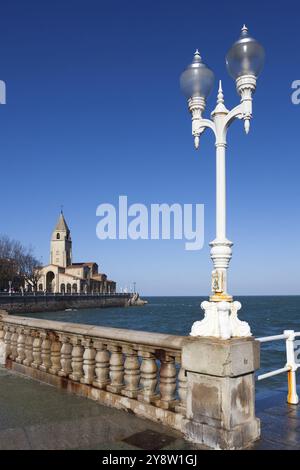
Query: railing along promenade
x,y
127,369
63,294
291,365
203,387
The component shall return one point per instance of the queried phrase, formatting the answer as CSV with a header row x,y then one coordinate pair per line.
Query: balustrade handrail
x,y
136,370
291,365
142,372
157,340
267,339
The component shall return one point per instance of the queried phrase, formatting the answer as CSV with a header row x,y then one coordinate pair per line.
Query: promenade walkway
x,y
37,416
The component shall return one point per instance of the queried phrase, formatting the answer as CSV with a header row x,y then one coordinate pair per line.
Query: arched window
x,y
57,236
74,288
50,281
69,289
40,286
62,288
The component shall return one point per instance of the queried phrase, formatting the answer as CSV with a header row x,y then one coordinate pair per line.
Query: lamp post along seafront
x,y
221,360
244,62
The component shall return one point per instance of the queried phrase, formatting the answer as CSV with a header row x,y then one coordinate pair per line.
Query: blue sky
x,y
94,111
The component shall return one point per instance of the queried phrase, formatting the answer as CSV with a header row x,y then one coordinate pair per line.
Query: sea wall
x,y
50,303
202,387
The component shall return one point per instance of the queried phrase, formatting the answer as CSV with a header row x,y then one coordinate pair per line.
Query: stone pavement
x,y
37,416
280,422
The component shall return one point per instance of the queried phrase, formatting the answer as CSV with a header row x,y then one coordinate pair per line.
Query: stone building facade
x,y
64,276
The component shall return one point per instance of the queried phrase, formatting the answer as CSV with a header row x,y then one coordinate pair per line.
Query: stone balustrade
x,y
203,387
128,369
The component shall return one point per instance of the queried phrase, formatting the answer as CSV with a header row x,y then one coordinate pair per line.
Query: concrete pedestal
x,y
221,391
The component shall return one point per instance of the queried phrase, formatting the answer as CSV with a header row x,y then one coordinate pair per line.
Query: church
x,y
64,276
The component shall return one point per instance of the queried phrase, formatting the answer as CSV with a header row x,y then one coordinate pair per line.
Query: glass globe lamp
x,y
197,80
245,57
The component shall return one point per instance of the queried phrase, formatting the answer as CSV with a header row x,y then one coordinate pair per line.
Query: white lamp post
x,y
244,63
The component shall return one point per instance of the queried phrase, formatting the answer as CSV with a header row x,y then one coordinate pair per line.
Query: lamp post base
x,y
221,321
220,403
221,297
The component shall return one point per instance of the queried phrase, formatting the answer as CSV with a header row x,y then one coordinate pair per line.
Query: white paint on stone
x,y
221,321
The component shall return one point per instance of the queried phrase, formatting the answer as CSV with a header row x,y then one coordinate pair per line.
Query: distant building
x,y
64,276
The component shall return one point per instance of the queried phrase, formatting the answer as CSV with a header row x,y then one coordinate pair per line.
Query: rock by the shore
x,y
136,301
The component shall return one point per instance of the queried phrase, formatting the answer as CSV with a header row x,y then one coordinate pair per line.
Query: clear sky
x,y
94,111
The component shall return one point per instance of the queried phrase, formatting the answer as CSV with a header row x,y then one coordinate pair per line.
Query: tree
x,y
17,264
30,270
8,273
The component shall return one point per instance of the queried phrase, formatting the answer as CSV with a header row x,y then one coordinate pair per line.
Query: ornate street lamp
x,y
244,62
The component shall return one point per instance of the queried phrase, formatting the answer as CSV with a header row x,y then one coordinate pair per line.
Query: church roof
x,y
87,263
61,225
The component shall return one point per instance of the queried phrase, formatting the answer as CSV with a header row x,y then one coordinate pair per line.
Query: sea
x,y
267,315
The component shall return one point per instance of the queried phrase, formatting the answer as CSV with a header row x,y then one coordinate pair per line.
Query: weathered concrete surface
x,y
221,358
221,392
37,416
40,303
104,397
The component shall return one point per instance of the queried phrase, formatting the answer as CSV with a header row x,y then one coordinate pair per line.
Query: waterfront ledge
x,y
202,387
48,302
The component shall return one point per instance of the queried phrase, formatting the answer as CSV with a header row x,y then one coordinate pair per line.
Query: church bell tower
x,y
61,244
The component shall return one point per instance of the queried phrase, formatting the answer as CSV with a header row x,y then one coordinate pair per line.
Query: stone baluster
x,y
45,352
132,373
7,341
55,355
167,382
77,360
102,365
116,369
28,348
88,362
182,392
2,345
36,350
21,346
14,344
66,357
148,377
